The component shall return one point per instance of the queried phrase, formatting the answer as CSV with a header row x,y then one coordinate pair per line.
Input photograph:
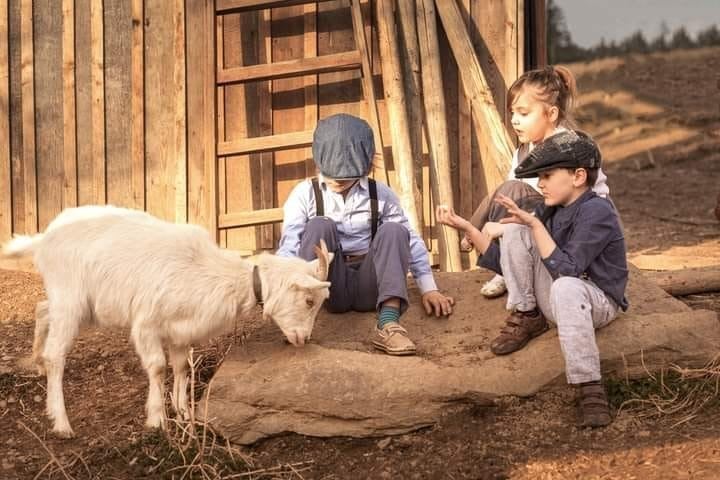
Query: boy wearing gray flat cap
x,y
361,221
565,263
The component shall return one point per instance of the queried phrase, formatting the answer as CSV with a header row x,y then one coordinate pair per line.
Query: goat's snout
x,y
297,337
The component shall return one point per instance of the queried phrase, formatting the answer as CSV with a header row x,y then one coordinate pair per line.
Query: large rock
x,y
337,385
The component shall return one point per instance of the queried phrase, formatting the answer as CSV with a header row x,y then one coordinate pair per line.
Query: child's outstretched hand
x,y
517,214
447,216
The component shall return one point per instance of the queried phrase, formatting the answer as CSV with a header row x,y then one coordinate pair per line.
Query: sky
x,y
591,20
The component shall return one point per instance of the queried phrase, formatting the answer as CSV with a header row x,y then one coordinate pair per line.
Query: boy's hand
x,y
517,214
447,216
436,302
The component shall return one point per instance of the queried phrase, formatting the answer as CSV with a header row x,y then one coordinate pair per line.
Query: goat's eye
x,y
310,302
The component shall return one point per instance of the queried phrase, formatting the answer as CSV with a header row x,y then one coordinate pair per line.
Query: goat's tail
x,y
21,245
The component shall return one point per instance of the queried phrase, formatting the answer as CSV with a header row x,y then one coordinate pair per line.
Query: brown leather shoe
x,y
520,328
593,405
393,340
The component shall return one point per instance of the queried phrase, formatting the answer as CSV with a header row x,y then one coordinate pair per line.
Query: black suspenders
x,y
374,212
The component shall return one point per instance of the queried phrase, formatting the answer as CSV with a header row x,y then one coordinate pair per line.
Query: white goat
x,y
170,284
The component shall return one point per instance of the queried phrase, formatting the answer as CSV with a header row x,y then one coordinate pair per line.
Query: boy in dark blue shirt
x,y
566,262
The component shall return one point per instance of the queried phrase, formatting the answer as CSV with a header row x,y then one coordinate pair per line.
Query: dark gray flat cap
x,y
568,149
343,146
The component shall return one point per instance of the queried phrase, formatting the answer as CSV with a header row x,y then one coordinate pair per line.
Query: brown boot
x,y
519,329
593,405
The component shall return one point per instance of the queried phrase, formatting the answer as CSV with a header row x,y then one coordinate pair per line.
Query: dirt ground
x,y
657,119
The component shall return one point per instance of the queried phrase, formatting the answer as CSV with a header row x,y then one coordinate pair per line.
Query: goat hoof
x,y
64,432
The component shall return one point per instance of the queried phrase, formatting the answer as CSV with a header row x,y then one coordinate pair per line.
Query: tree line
x,y
562,48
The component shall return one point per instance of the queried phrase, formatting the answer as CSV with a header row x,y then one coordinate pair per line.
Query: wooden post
x,y
397,115
413,83
5,175
27,76
437,129
493,131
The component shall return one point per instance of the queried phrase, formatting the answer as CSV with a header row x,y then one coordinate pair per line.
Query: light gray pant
x,y
576,306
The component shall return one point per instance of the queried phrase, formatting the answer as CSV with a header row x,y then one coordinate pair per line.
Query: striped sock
x,y
388,315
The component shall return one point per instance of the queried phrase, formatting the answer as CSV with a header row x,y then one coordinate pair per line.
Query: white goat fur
x,y
170,284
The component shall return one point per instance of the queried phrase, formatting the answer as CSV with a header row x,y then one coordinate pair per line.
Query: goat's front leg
x,y
149,349
179,361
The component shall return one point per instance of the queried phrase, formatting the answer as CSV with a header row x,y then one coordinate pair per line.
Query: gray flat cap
x,y
567,149
343,146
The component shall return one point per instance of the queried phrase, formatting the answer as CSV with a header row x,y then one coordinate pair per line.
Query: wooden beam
x,y
27,76
201,117
282,141
225,7
97,89
249,219
137,105
5,174
437,131
70,194
489,126
290,68
408,193
179,152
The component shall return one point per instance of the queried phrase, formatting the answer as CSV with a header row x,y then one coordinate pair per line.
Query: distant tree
x,y
660,42
681,39
560,45
709,37
635,43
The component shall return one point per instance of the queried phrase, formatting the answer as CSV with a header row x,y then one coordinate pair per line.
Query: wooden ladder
x,y
354,59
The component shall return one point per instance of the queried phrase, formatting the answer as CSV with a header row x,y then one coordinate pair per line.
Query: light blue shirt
x,y
352,217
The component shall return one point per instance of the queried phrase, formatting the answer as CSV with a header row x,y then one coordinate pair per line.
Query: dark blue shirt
x,y
589,243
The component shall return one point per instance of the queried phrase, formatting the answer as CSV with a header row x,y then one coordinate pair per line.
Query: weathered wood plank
x,y
395,100
466,204
493,133
27,75
16,121
47,27
437,129
251,218
137,106
164,132
310,49
97,89
221,136
5,174
288,116
180,144
69,155
264,165
117,17
83,102
238,6
202,162
279,141
291,68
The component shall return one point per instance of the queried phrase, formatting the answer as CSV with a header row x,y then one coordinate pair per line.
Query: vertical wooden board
x,y
238,41
164,94
5,178
27,80
137,105
201,174
97,95
47,27
450,81
17,170
520,31
288,104
69,156
117,16
179,166
338,92
220,102
310,49
83,101
263,164
464,139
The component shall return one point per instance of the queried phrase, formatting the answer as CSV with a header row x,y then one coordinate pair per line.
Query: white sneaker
x,y
494,288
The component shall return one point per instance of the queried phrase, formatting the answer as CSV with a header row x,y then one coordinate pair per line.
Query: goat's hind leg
x,y
63,324
179,361
149,349
42,323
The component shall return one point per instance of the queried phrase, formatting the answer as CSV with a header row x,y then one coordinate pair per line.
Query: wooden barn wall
x,y
115,101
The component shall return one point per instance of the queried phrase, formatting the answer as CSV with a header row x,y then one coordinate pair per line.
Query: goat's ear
x,y
321,266
307,282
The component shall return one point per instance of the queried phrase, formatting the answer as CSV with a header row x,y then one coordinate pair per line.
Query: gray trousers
x,y
364,285
576,306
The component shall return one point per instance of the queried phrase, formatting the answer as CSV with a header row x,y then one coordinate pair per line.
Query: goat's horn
x,y
323,265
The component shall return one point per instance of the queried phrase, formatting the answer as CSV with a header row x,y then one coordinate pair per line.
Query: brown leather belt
x,y
354,258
